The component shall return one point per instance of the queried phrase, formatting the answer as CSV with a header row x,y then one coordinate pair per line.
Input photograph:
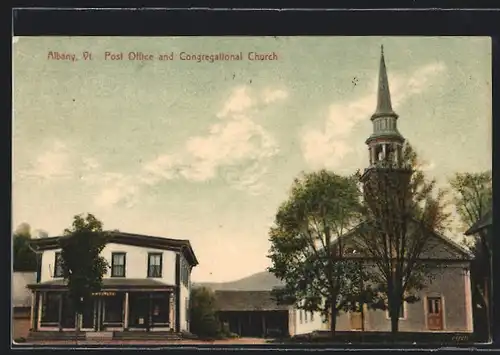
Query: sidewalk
x,y
150,342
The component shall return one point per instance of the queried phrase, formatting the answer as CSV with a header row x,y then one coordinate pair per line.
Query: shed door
x,y
434,313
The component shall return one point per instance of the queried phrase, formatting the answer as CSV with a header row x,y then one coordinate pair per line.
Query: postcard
x,y
251,190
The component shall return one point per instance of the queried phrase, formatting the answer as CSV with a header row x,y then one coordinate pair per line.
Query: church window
x,y
402,311
350,251
379,152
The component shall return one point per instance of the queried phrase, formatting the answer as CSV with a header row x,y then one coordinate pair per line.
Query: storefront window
x,y
50,308
68,316
160,309
113,310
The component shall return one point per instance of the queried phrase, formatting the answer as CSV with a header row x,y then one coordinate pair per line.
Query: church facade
x,y
445,303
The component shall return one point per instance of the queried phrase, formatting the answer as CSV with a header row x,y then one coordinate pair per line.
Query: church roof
x,y
466,254
384,104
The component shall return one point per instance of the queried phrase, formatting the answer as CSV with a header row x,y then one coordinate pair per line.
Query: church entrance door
x,y
434,313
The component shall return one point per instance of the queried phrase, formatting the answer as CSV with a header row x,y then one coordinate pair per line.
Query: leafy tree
x,y
401,209
472,197
202,312
25,259
306,251
83,267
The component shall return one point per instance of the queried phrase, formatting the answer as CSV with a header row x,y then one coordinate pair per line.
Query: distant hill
x,y
261,281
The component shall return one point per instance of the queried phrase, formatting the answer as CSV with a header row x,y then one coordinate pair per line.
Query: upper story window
x,y
58,267
154,264
118,265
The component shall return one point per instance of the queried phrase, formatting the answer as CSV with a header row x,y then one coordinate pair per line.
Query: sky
x,y
207,151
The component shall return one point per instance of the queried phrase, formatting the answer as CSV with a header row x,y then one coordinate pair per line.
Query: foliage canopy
x,y
83,266
306,251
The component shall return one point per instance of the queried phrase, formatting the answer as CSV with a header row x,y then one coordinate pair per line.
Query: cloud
x,y
161,168
237,145
426,167
321,150
239,101
248,179
235,149
327,147
116,188
90,164
51,164
58,161
269,95
228,144
112,188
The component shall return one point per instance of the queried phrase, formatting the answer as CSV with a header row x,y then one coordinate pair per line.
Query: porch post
x,y
150,312
125,307
264,324
39,309
32,316
172,311
60,311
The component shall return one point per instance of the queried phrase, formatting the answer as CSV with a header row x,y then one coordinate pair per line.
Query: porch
x,y
122,305
71,336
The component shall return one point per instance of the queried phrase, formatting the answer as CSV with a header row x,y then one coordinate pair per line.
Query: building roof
x,y
464,252
107,284
483,222
21,296
247,301
384,105
179,245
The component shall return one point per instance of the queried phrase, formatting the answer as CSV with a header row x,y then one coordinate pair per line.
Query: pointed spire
x,y
384,105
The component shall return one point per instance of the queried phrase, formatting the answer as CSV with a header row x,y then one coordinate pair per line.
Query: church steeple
x,y
384,105
385,143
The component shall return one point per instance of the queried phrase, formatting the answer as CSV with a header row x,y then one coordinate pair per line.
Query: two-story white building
x,y
146,288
